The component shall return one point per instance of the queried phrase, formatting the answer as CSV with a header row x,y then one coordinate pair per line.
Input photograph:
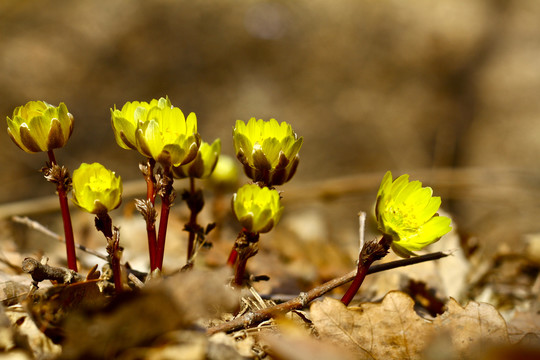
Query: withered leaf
x,y
387,330
474,324
392,330
137,319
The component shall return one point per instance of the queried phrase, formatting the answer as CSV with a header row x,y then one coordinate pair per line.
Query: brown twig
x,y
40,272
253,318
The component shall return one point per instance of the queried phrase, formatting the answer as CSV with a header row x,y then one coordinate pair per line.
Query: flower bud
x,y
203,165
408,213
268,150
96,189
38,126
257,209
225,175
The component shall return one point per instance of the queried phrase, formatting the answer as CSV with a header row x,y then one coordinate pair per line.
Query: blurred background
x,y
447,91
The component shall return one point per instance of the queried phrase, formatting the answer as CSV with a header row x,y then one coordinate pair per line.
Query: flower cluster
x,y
407,212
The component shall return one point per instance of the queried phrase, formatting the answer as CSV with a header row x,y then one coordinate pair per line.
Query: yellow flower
x,y
257,209
96,189
125,121
157,130
168,137
203,165
268,150
408,213
38,126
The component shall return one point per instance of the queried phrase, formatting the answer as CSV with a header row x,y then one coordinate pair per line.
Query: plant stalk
x,y
245,246
66,217
104,224
233,255
371,251
166,194
361,273
150,222
192,224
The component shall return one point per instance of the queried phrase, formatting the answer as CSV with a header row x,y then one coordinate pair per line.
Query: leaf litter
x,y
168,318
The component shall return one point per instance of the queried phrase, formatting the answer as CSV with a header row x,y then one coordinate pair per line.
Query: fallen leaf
x,y
474,324
29,336
523,323
137,319
391,329
293,340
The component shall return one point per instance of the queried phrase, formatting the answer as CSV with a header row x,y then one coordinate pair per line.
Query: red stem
x,y
150,181
164,217
357,282
151,226
240,271
104,224
68,228
192,222
232,257
246,246
370,252
152,243
115,265
162,232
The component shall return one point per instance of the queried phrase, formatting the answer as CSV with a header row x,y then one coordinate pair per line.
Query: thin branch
x,y
253,318
37,226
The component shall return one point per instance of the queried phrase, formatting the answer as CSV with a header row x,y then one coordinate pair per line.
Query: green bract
x,y
157,130
38,126
268,150
408,212
203,165
125,121
257,209
96,189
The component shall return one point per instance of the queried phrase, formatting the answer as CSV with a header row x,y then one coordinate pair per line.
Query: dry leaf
x,y
293,340
27,333
474,324
13,290
387,330
139,318
523,323
392,330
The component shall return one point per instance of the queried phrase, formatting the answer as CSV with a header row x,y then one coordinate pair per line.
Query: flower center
x,y
97,185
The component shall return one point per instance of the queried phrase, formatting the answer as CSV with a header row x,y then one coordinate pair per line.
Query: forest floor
x,y
477,303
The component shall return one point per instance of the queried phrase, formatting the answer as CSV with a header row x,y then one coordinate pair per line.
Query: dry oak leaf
x,y
477,324
391,329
